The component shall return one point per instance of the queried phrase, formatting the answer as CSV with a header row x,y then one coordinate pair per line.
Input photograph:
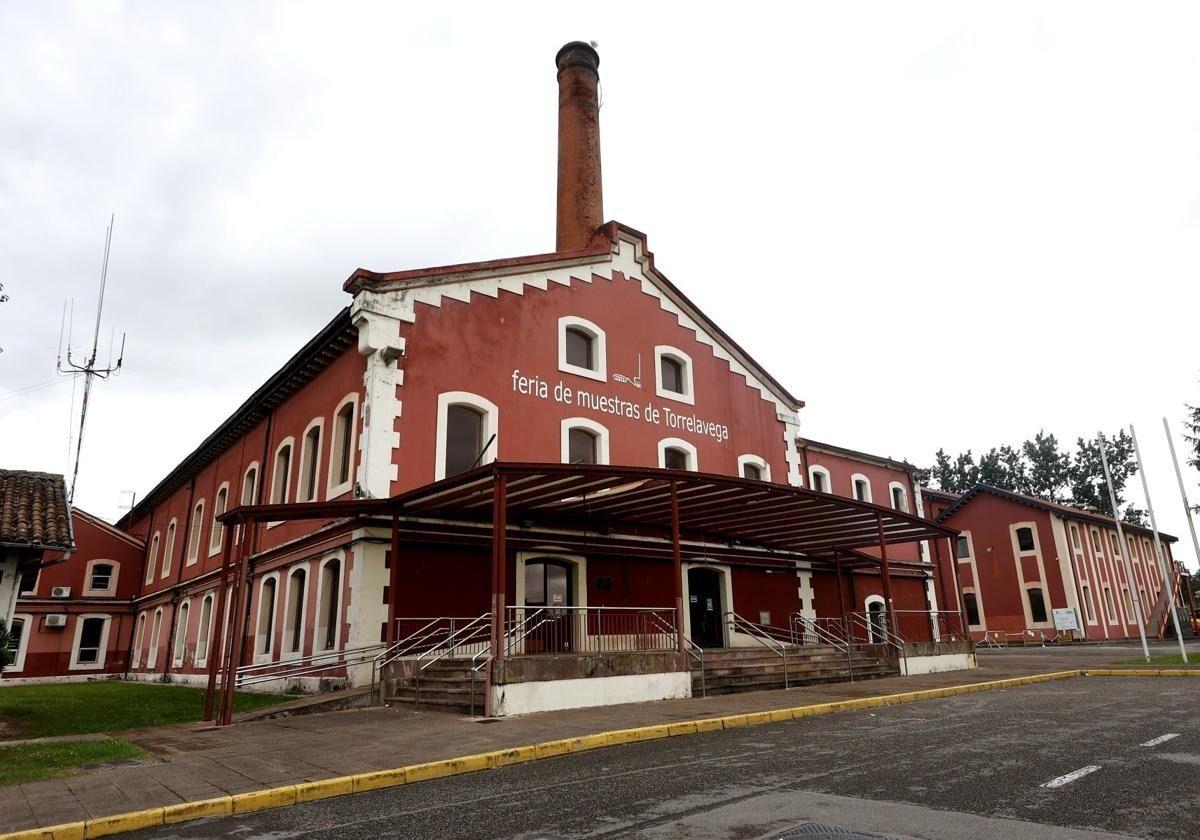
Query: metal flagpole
x,y
1133,589
1187,510
1168,575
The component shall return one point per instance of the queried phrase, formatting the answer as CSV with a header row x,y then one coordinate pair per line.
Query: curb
x,y
278,797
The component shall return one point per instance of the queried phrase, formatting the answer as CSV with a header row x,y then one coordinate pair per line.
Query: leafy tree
x,y
6,657
1049,467
1086,473
957,476
1192,424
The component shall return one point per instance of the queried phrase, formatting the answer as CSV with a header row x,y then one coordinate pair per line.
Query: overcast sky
x,y
938,224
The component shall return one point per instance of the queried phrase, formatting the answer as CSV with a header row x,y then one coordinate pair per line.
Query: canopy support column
x,y
837,565
499,566
886,576
237,632
677,565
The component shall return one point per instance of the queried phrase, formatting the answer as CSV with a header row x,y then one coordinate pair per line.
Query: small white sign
x,y
1064,619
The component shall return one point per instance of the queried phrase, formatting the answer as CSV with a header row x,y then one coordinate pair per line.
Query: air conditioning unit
x,y
56,620
60,592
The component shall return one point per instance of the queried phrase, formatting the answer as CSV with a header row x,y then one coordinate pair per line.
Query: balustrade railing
x,y
588,630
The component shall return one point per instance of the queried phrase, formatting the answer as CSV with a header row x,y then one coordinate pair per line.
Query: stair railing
x,y
812,627
300,666
766,635
693,650
477,631
877,631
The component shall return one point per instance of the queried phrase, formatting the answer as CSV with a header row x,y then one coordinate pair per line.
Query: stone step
x,y
714,688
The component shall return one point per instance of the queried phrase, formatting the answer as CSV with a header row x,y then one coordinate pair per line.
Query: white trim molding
x,y
319,627
111,590
285,651
685,361
754,461
169,547
334,488
101,653
152,557
678,443
592,426
195,533
491,426
208,602
854,479
906,504
815,470
599,348
183,617
317,423
216,534
260,636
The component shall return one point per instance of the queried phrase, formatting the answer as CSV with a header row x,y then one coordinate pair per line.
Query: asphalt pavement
x,y
1086,757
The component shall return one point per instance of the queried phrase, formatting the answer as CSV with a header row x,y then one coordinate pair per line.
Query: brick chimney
x,y
580,199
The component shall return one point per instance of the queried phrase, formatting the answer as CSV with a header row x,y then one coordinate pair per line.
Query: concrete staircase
x,y
732,670
446,686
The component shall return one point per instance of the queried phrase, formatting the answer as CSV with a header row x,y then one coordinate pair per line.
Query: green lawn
x,y
37,711
1163,659
34,762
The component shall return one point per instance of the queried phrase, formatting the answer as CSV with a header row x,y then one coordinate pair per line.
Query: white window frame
x,y
870,491
1089,609
982,625
195,533
896,485
217,531
201,656
678,443
319,424
816,469
689,381
102,654
592,426
491,426
599,348
318,628
261,656
284,652
26,620
169,547
139,640
179,644
152,559
289,441
334,488
112,580
155,638
253,465
757,461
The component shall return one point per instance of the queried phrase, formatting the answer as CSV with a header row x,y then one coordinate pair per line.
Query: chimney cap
x,y
578,54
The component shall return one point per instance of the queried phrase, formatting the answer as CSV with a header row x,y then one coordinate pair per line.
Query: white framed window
x,y
295,613
898,495
310,461
204,630
169,547
1024,538
819,479
217,532
152,558
91,642
155,630
342,446
181,630
264,628
860,487
582,348
1096,543
139,638
1087,604
281,475
19,629
468,433
677,454
962,546
194,532
971,605
1075,536
1112,607
1035,599
250,484
754,466
326,635
673,374
584,441
100,577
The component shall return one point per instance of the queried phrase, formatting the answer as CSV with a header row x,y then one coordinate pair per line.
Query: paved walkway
x,y
198,764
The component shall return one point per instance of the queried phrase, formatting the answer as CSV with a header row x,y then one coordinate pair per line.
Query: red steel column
x,y
885,574
393,632
677,565
837,565
237,635
217,622
499,563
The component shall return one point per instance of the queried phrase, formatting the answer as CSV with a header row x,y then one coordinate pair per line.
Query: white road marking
x,y
1072,776
1161,739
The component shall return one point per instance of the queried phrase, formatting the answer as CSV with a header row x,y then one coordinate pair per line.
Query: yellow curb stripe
x,y
360,782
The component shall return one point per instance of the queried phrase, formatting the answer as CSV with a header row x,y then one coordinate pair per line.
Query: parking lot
x,y
1085,757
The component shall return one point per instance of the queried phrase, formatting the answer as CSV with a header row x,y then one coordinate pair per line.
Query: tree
x,y
1049,467
1192,424
1086,475
6,657
957,476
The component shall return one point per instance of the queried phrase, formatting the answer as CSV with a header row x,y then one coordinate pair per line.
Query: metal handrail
x,y
834,628
304,665
882,630
759,632
812,625
690,648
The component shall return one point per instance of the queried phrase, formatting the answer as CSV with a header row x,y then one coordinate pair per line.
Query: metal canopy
x,y
735,510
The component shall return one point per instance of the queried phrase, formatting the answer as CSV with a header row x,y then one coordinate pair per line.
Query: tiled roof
x,y
34,510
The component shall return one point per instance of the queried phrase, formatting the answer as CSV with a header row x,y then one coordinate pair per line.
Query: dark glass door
x,y
704,607
548,596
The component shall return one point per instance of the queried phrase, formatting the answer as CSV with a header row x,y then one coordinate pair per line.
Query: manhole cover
x,y
816,831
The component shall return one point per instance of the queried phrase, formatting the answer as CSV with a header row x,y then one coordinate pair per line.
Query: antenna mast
x,y
88,366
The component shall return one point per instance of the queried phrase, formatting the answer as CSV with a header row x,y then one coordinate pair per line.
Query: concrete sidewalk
x,y
196,764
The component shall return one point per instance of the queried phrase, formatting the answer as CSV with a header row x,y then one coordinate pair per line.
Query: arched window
x,y
181,628
1112,607
220,505
168,549
818,479
861,485
294,630
341,456
203,630
250,485
193,541
752,471
1096,541
467,433
310,463
676,454
752,466
266,617
1025,539
152,558
673,368
1087,605
582,446
584,441
464,438
100,577
328,605
138,638
1037,605
282,474
899,496
155,629
581,349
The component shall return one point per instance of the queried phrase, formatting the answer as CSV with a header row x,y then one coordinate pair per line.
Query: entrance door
x,y
704,607
549,589
877,620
